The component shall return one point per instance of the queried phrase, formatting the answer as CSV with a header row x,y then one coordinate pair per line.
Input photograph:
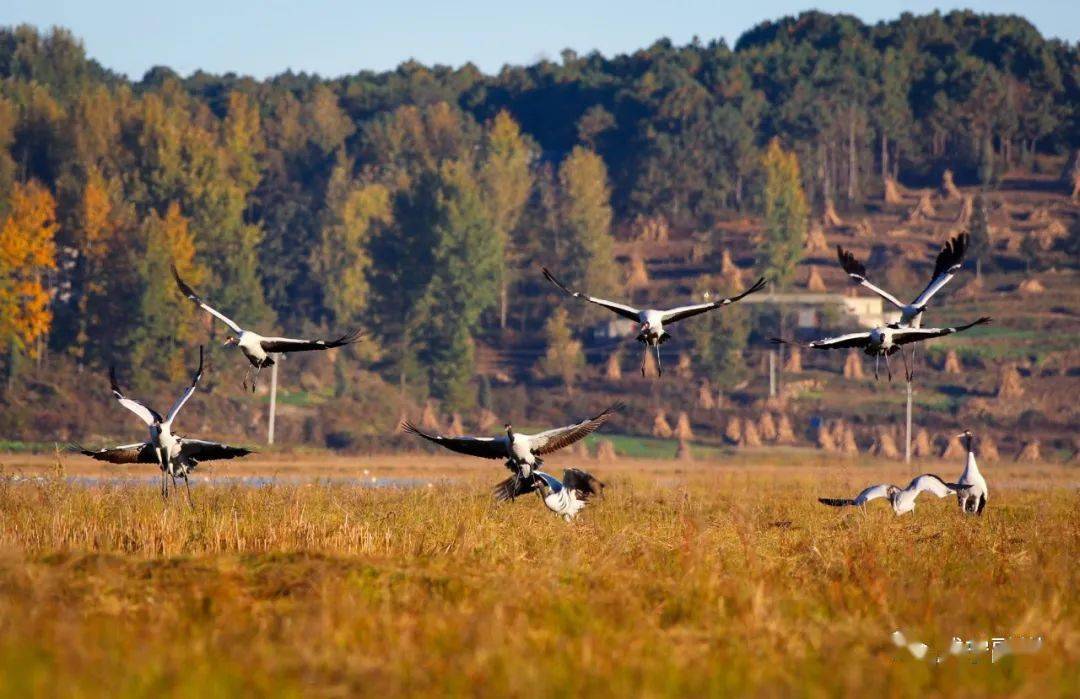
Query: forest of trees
x,y
410,201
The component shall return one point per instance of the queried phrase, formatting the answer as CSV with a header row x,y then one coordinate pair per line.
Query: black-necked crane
x,y
258,348
901,499
883,341
174,454
565,498
974,494
521,451
651,332
948,263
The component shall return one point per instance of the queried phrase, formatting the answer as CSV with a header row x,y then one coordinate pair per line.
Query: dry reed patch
x,y
678,582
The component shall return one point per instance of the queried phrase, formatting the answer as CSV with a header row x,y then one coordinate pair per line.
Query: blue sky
x,y
332,37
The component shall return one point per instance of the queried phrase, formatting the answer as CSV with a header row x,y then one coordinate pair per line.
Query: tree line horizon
x,y
416,202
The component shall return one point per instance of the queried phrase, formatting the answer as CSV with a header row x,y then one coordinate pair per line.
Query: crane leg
x,y
877,360
887,367
255,379
908,369
644,359
172,475
187,484
162,464
659,367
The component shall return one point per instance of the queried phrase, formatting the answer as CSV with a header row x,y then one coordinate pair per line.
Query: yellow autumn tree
x,y
27,252
586,214
785,213
341,258
506,179
242,139
563,359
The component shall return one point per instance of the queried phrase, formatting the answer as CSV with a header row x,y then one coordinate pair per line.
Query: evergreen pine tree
x,y
167,322
463,286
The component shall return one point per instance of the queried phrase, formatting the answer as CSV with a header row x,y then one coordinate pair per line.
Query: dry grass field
x,y
683,580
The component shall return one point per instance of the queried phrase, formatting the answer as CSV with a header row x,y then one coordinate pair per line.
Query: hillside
x,y
419,204
1035,332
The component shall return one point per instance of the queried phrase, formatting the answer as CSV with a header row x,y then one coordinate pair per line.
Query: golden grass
x,y
683,582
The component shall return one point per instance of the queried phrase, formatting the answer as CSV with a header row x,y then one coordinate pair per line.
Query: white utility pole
x,y
772,373
273,400
907,441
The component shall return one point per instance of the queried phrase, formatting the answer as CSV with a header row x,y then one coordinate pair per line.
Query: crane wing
x,y
285,344
144,412
139,453
190,293
625,311
484,447
202,450
857,272
677,314
190,390
839,342
583,482
905,336
555,439
948,263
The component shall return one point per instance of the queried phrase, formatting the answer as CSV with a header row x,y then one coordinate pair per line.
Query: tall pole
x,y
907,440
772,373
273,402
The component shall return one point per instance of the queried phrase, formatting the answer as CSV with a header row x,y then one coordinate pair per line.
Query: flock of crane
x,y
176,456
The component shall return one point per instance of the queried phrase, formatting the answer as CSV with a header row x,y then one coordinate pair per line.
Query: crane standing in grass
x,y
975,493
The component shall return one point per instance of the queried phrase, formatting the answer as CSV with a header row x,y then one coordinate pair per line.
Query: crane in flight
x,y
651,321
258,348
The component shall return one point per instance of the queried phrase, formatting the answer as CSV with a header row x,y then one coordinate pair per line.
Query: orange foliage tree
x,y
27,251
